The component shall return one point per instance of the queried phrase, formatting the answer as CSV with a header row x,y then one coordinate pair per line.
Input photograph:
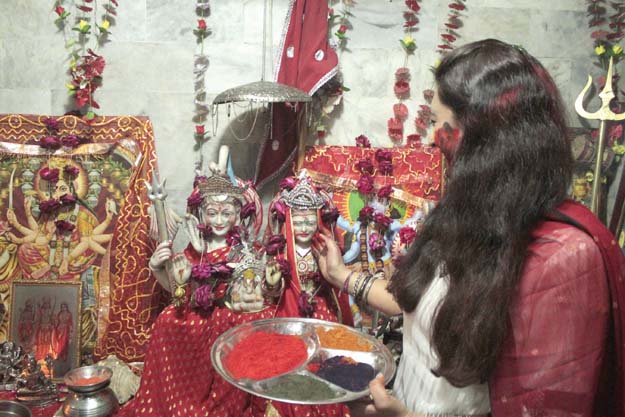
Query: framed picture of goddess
x,y
45,320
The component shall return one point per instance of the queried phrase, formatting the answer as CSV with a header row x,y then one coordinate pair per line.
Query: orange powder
x,y
341,338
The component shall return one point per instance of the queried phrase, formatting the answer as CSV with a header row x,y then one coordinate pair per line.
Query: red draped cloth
x,y
564,354
178,378
306,61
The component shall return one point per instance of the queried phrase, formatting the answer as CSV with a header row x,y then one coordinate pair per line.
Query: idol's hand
x,y
161,254
380,403
181,268
329,258
273,274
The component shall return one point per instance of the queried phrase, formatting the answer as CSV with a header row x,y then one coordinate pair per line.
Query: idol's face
x,y
60,189
221,217
304,226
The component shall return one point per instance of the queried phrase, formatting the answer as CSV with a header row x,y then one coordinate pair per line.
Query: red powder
x,y
263,355
87,381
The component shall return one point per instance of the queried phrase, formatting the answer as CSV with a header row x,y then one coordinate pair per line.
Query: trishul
x,y
157,194
603,114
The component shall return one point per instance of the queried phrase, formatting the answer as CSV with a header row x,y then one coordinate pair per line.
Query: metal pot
x,y
93,399
14,409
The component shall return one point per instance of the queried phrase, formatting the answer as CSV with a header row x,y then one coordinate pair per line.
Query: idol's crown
x,y
217,185
303,196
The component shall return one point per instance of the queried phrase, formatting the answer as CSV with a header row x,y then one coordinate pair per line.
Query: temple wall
x,y
150,63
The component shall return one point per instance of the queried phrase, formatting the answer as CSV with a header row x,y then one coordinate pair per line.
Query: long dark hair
x,y
513,166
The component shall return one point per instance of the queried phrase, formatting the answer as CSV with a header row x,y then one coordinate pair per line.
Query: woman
x,y
506,291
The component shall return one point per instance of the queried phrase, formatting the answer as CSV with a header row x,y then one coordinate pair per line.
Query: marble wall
x,y
150,63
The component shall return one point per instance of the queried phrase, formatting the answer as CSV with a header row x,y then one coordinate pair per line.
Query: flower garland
x,y
449,36
200,65
375,243
85,65
606,46
401,88
51,142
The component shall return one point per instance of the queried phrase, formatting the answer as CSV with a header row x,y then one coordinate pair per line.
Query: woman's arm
x,y
337,273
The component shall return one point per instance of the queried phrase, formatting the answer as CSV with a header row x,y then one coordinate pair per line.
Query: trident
x,y
603,114
157,194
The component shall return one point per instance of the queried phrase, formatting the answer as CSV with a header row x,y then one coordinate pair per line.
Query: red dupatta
x,y
609,400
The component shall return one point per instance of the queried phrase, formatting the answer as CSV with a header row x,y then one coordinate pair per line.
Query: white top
x,y
415,384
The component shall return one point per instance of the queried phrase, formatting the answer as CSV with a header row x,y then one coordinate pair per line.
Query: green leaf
x,y
90,115
345,89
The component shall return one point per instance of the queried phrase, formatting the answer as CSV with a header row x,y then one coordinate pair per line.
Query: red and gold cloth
x,y
109,245
417,172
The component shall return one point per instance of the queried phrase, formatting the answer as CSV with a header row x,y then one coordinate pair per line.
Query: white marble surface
x,y
150,61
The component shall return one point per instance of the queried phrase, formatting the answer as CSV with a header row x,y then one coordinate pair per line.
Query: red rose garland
x,y
401,88
85,65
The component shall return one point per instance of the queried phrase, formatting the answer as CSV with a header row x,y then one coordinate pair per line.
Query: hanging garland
x,y
84,35
200,65
401,88
448,37
608,32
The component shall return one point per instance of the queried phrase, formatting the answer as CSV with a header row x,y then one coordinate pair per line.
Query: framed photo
x,y
45,319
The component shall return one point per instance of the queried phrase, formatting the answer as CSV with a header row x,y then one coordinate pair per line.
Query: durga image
x,y
66,237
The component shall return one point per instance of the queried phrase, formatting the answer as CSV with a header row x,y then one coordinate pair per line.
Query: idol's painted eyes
x,y
309,223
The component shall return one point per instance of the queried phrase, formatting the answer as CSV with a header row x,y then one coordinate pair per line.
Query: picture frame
x,y
45,319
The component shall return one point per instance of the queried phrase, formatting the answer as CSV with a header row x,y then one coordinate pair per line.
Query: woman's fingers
x,y
325,231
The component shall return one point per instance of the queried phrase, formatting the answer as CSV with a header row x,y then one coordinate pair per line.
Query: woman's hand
x,y
381,404
329,258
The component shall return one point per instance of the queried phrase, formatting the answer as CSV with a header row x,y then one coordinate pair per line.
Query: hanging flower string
x,y
85,65
607,33
200,65
339,24
401,88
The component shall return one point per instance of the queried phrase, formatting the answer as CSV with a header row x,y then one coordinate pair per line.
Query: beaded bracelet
x,y
345,287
